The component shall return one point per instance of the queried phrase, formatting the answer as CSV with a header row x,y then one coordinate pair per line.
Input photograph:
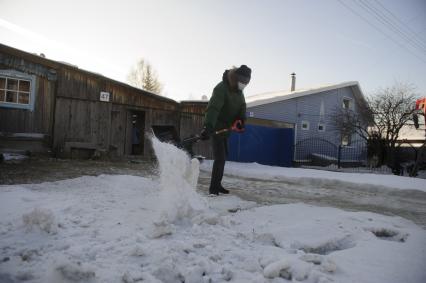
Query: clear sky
x,y
191,42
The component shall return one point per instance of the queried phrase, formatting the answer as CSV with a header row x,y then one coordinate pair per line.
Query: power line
x,y
411,39
379,30
414,34
377,14
389,24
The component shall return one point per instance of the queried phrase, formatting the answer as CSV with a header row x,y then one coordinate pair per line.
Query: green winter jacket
x,y
225,106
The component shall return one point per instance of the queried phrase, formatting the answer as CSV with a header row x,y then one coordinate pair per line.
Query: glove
x,y
205,134
238,126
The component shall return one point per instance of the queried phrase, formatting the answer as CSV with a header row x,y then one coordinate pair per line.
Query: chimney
x,y
293,81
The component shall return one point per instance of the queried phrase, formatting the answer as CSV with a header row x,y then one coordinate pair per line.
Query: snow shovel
x,y
187,143
194,139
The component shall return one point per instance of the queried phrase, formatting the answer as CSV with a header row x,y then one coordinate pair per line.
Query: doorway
x,y
136,133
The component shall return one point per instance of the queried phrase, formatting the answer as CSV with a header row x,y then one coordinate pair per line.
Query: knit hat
x,y
244,71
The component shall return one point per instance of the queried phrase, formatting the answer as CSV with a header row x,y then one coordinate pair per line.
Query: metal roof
x,y
271,97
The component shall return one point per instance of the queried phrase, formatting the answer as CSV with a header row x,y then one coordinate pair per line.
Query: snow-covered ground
x,y
313,176
121,228
13,156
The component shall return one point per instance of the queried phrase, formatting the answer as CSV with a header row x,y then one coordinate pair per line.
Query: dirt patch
x,y
39,169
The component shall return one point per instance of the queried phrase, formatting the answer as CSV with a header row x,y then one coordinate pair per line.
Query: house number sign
x,y
104,96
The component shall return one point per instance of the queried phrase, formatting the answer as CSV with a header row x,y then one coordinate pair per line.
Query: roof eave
x,y
305,93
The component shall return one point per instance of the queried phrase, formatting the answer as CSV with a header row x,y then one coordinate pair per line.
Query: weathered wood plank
x,y
67,104
24,120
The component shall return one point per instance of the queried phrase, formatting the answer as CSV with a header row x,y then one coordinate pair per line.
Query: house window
x,y
321,127
347,103
346,140
305,125
16,90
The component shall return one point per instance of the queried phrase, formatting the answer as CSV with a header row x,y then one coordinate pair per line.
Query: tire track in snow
x,y
409,204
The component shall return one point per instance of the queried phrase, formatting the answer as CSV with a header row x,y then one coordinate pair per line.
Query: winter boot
x,y
222,190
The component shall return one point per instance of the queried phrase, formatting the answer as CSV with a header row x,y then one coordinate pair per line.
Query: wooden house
x,y
47,105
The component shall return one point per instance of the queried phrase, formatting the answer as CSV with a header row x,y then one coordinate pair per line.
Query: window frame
x,y
304,122
350,104
323,127
349,138
19,76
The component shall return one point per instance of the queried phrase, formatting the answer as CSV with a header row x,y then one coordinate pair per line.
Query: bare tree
x,y
392,108
381,119
348,121
144,76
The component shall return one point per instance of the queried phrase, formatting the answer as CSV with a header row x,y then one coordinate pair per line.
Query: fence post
x,y
339,155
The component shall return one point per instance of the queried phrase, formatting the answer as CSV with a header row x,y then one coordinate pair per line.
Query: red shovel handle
x,y
238,126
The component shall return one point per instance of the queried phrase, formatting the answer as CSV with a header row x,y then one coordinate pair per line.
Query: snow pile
x,y
13,156
104,236
313,244
41,218
285,269
178,181
100,229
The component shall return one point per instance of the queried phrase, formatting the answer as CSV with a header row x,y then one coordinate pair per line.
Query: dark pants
x,y
220,152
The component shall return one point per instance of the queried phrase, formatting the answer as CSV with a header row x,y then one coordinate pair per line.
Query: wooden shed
x,y
191,123
47,105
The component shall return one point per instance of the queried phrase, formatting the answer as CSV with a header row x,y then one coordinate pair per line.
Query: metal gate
x,y
264,145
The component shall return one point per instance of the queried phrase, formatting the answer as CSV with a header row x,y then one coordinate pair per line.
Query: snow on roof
x,y
270,97
194,101
409,132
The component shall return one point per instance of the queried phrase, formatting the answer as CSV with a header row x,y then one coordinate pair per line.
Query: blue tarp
x,y
264,145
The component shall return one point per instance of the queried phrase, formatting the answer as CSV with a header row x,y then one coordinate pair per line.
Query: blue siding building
x,y
313,113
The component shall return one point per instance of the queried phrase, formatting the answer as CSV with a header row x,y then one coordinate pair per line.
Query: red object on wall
x,y
421,104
